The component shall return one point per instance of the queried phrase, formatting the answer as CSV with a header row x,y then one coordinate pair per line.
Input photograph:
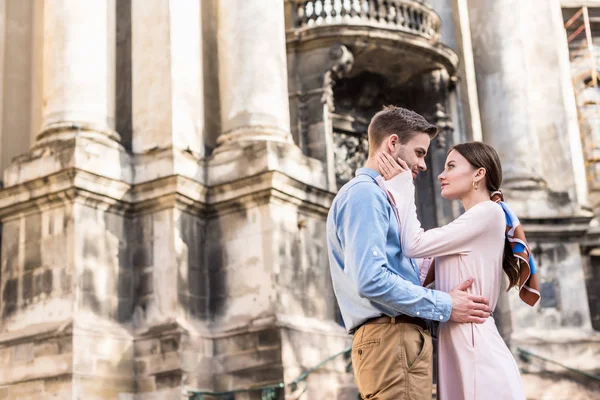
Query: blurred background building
x,y
168,167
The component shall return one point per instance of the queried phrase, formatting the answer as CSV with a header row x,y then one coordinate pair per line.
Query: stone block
x,y
141,367
33,255
235,344
65,344
33,227
6,355
144,347
144,283
43,283
169,344
195,306
46,348
27,288
269,338
20,390
59,388
160,363
9,294
55,251
197,282
23,353
142,255
65,281
10,259
251,359
124,309
168,380
145,385
125,284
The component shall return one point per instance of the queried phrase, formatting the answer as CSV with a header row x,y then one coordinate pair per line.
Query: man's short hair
x,y
400,121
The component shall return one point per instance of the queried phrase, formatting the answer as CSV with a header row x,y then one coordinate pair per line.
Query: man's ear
x,y
392,141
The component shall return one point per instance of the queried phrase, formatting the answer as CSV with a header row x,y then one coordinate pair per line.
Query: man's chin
x,y
414,175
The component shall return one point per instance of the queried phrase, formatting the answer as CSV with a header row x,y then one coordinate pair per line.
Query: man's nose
x,y
422,166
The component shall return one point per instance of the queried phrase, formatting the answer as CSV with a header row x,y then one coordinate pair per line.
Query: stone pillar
x,y
254,100
526,106
505,68
79,69
167,89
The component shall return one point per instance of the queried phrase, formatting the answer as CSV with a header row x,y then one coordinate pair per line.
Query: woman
x,y
473,360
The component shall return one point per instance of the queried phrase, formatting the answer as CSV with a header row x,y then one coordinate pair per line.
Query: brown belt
x,y
396,320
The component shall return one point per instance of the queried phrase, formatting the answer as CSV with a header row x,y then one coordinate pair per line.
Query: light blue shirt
x,y
371,276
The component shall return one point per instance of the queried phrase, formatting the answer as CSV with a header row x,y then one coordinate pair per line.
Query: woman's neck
x,y
474,197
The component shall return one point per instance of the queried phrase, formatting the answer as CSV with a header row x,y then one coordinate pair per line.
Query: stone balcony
x,y
389,37
408,16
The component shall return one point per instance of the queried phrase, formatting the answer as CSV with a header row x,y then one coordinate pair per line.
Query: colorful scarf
x,y
529,287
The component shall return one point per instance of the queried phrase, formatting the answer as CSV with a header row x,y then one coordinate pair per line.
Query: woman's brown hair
x,y
481,155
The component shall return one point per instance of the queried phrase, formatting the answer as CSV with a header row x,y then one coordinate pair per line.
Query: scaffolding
x,y
586,48
585,78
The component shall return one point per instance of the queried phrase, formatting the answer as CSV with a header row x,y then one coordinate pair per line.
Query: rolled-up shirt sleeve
x,y
363,224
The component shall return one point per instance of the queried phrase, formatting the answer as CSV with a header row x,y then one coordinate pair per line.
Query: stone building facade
x,y
168,167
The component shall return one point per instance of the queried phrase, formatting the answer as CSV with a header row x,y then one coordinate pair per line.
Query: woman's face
x,y
457,178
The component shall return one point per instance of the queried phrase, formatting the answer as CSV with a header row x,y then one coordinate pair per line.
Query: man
x,y
378,289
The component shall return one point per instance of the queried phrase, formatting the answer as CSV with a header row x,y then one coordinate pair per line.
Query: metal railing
x,y
526,356
409,16
268,392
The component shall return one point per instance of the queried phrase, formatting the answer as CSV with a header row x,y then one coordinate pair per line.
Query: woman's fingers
x,y
403,164
389,167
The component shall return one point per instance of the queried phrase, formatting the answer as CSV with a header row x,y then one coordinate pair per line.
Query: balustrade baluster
x,y
323,13
381,11
391,12
353,12
364,8
300,14
401,18
346,4
327,10
411,19
372,11
334,11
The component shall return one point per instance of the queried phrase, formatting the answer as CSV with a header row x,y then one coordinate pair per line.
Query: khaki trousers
x,y
393,362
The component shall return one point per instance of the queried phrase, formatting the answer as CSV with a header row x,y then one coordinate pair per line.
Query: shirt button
x,y
375,252
441,317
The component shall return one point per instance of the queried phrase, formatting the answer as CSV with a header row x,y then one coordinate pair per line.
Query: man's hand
x,y
468,307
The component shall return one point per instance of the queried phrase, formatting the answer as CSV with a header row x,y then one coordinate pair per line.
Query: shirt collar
x,y
367,171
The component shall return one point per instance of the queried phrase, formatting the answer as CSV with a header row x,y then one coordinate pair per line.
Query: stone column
x,y
504,68
253,71
525,97
167,89
79,69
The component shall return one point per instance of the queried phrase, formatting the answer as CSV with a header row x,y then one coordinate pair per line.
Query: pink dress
x,y
473,360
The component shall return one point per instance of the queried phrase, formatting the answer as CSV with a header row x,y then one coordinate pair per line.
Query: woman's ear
x,y
480,174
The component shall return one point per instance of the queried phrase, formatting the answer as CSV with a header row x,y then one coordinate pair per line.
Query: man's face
x,y
414,152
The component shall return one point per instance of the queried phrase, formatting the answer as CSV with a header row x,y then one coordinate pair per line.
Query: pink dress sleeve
x,y
425,265
454,238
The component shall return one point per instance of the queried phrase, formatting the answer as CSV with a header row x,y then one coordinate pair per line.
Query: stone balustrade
x,y
400,15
